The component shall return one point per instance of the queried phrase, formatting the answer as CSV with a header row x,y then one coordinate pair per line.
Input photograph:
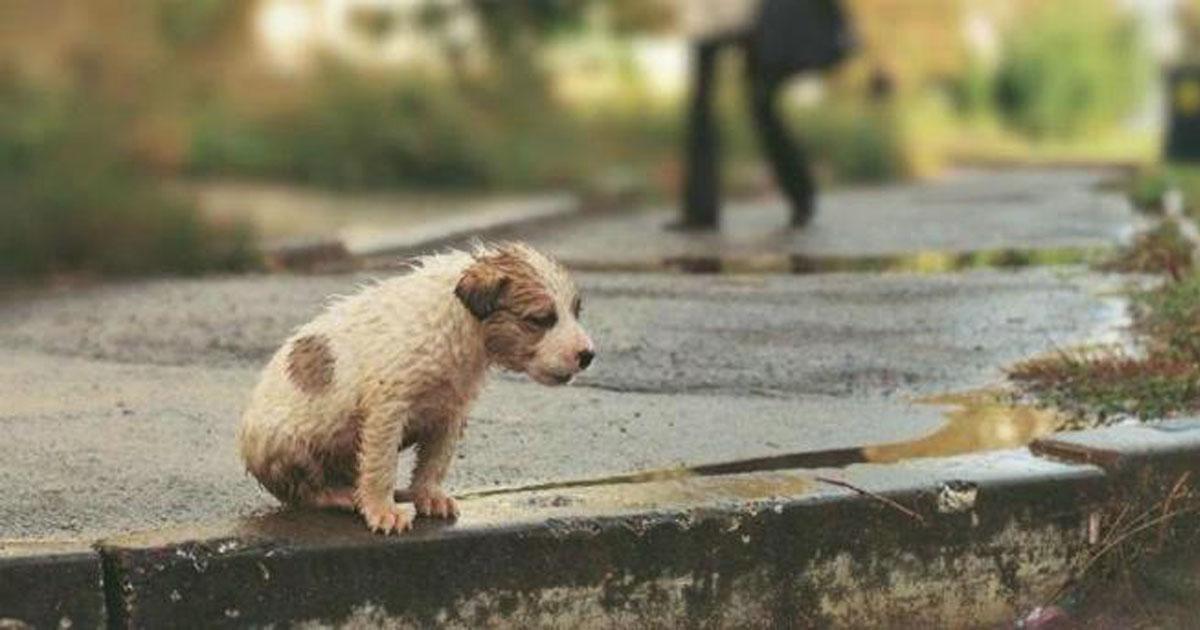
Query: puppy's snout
x,y
585,358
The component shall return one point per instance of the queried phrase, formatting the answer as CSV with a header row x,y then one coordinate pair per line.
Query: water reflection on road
x,y
975,421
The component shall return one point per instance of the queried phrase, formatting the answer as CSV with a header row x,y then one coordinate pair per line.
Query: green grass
x,y
1148,187
1160,250
353,132
1075,67
1168,319
854,144
1187,179
1164,378
73,200
1105,383
1101,384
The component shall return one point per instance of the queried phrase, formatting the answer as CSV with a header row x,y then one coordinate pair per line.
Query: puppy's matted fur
x,y
398,364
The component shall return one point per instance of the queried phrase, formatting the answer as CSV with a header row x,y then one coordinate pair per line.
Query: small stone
x,y
957,497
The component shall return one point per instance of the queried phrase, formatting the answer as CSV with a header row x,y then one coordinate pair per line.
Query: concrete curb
x,y
755,561
51,585
491,221
1129,449
979,537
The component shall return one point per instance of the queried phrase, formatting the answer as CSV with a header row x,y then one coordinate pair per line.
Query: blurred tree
x,y
194,24
509,19
154,60
207,41
1071,66
72,198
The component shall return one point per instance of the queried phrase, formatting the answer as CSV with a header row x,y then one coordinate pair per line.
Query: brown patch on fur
x,y
509,334
480,288
308,471
310,364
294,480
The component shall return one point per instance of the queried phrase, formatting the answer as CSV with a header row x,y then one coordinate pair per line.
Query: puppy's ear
x,y
480,288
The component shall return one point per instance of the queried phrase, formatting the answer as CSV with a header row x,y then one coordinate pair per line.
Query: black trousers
x,y
702,185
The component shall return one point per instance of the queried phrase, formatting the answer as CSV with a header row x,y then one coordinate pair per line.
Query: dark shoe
x,y
803,215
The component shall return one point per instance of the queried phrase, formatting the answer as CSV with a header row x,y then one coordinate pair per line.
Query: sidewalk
x,y
971,211
310,229
153,374
134,389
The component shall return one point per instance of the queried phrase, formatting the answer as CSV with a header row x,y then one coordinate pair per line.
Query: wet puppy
x,y
399,364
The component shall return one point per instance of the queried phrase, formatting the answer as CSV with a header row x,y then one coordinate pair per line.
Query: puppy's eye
x,y
547,320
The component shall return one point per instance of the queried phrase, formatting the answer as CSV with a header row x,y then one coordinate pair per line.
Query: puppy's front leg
x,y
434,455
378,455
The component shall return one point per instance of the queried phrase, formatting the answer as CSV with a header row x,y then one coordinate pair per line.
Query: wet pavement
x,y
120,401
970,211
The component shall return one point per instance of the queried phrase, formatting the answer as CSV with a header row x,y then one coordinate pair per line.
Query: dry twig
x,y
1177,490
878,497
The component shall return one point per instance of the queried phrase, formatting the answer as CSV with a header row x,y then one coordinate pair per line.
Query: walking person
x,y
779,38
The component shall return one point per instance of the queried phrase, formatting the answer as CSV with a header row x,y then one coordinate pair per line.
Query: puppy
x,y
398,365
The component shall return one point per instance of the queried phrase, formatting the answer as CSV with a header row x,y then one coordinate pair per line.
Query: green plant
x,y
71,198
193,22
857,144
1073,66
1169,317
1107,383
1163,249
1148,187
1186,179
353,132
1103,383
974,90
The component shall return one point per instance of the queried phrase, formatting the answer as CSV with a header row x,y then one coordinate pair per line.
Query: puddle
x,y
975,421
666,474
930,261
686,488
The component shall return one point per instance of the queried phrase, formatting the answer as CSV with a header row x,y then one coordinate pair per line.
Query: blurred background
x,y
180,136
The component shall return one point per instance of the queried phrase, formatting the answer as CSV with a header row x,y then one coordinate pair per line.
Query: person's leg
x,y
702,187
788,159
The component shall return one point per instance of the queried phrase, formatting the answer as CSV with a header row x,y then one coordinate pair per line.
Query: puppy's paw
x,y
433,502
386,518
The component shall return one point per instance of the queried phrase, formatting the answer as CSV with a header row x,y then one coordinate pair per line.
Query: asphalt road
x,y
118,403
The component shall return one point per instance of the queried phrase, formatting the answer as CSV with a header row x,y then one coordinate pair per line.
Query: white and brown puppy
x,y
399,364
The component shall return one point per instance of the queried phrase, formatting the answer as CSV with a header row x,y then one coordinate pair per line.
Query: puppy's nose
x,y
585,358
